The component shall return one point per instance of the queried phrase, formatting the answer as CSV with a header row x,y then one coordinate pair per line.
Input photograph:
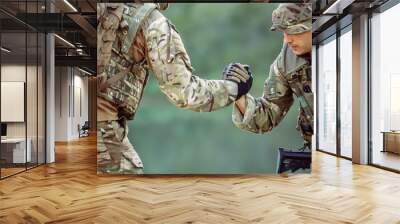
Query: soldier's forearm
x,y
241,104
258,115
198,94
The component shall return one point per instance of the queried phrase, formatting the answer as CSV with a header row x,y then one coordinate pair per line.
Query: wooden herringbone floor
x,y
69,191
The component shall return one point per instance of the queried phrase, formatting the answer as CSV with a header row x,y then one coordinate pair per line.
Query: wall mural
x,y
204,88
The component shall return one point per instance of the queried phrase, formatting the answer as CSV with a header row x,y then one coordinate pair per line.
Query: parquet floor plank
x,y
70,191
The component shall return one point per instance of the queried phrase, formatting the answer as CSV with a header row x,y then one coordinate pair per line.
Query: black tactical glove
x,y
241,75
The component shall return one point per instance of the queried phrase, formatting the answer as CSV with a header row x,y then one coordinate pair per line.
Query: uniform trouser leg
x,y
130,161
115,153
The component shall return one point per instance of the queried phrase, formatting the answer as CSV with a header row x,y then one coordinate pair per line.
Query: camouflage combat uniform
x,y
132,40
289,74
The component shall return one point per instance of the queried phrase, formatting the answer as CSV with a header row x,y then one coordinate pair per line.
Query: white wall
x,y
69,85
79,103
61,104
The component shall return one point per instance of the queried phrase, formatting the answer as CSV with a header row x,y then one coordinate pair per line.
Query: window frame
x,y
342,27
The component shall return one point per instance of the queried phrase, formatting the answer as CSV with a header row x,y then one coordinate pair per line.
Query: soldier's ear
x,y
162,6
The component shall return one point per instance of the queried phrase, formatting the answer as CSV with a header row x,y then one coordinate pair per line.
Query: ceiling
x,y
330,15
74,22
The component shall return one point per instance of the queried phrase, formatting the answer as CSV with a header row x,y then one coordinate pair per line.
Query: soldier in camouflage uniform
x,y
289,74
133,39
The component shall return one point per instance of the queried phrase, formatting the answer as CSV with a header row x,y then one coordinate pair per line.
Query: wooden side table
x,y
391,141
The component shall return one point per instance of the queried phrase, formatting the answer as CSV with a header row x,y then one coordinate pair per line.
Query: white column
x,y
50,100
50,92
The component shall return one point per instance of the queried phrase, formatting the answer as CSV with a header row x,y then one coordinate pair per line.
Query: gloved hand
x,y
241,75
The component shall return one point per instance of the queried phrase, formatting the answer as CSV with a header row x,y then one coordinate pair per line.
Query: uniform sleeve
x,y
264,113
171,66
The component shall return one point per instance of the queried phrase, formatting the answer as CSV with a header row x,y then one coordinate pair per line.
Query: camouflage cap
x,y
292,18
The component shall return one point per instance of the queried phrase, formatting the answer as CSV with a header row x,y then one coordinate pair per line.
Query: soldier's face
x,y
299,43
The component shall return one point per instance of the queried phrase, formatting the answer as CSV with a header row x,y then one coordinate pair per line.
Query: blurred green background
x,y
177,141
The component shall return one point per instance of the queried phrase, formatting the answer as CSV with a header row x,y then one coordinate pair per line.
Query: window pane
x,y
14,153
31,97
22,79
385,89
41,98
346,94
327,96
